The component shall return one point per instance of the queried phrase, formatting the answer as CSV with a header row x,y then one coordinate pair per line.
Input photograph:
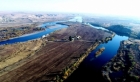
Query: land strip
x,y
56,56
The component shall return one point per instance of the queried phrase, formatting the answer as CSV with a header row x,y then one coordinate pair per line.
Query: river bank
x,y
56,54
7,33
68,70
124,67
93,65
34,35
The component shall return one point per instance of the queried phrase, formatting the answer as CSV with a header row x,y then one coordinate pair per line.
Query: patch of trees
x,y
133,78
131,62
70,38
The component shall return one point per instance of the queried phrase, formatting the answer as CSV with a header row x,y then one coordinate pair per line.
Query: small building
x,y
78,37
43,36
72,39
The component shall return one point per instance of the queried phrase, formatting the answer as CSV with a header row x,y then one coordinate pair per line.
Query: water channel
x,y
90,68
35,35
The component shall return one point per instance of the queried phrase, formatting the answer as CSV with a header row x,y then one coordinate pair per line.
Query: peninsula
x,y
124,67
52,58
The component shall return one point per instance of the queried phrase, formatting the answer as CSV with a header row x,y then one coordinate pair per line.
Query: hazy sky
x,y
119,7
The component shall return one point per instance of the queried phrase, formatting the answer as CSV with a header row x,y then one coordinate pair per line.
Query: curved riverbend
x,y
90,68
36,35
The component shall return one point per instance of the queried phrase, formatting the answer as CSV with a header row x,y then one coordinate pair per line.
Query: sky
x,y
107,7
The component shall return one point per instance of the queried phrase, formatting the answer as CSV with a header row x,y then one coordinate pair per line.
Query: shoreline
x,y
124,64
70,69
49,60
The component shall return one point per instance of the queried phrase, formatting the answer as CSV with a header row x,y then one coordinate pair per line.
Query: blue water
x,y
35,35
90,69
110,50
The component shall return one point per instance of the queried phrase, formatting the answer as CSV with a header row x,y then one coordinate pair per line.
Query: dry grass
x,y
10,54
52,57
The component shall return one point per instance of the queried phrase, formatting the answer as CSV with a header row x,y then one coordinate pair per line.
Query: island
x,y
99,51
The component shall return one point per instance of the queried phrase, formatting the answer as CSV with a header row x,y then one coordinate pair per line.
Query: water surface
x,y
35,35
90,68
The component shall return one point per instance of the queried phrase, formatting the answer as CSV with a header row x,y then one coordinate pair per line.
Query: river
x,y
35,35
90,69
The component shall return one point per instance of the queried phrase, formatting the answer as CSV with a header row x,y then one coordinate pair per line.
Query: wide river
x,y
90,68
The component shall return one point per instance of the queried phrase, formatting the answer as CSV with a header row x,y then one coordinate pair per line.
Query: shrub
x,y
134,78
70,38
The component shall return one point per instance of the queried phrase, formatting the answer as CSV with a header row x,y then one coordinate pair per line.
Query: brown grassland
x,y
43,59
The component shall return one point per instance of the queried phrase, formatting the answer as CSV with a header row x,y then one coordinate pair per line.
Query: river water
x,y
35,35
90,69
